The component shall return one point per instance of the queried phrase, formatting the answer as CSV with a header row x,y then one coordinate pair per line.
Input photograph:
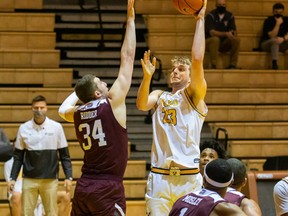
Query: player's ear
x,y
97,94
244,183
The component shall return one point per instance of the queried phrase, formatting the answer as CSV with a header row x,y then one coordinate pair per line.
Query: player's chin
x,y
175,81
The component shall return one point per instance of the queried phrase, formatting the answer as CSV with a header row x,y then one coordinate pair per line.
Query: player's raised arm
x,y
67,108
198,87
146,101
122,84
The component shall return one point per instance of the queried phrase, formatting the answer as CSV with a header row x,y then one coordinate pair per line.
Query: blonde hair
x,y
181,60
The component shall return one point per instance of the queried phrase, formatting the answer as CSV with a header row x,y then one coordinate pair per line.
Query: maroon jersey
x,y
234,196
197,203
103,140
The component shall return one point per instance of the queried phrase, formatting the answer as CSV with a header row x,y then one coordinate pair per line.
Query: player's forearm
x,y
129,44
143,94
68,103
198,47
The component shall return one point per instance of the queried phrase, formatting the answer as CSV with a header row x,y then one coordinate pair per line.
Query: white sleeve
x,y
68,103
62,141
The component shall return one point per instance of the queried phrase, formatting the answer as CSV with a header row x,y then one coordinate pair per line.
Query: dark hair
x,y
213,144
219,170
85,88
278,6
239,170
38,98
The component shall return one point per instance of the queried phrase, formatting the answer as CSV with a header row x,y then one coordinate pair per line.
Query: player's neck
x,y
177,87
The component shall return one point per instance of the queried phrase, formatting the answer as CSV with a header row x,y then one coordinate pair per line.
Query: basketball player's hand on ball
x,y
147,66
201,13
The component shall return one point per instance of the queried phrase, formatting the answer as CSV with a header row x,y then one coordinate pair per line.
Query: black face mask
x,y
221,9
278,15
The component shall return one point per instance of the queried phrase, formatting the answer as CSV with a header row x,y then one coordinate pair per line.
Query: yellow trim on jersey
x,y
192,104
156,104
175,171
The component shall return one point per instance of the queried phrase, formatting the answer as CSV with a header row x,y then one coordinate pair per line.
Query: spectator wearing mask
x,y
275,34
221,35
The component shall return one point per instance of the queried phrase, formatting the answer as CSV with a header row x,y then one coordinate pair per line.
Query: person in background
x,y
15,197
210,150
234,195
38,143
275,34
210,200
177,122
6,149
280,197
100,126
221,35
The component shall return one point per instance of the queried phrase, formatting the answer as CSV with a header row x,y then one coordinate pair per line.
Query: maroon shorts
x,y
101,197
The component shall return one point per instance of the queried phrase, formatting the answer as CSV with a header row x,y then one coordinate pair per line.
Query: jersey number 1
x,y
97,133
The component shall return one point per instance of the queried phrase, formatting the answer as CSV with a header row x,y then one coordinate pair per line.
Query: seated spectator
x,y
221,35
275,34
234,195
280,196
210,200
15,197
210,150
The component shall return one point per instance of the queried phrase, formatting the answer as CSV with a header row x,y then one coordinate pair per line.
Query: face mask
x,y
278,15
221,9
38,114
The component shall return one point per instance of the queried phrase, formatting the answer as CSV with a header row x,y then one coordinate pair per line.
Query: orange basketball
x,y
188,7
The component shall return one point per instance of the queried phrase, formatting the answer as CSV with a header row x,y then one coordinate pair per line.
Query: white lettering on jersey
x,y
192,200
183,211
88,115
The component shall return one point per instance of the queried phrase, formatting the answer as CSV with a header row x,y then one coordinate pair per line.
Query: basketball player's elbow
x,y
198,53
197,58
141,106
62,115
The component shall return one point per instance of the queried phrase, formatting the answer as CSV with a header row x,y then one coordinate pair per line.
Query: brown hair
x,y
85,88
38,98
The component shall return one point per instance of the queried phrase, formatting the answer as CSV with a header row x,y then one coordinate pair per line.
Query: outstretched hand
x,y
201,13
147,66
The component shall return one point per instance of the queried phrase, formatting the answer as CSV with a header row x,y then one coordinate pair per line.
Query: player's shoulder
x,y
157,94
225,208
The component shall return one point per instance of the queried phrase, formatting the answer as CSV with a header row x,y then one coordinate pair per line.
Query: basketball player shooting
x,y
177,122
